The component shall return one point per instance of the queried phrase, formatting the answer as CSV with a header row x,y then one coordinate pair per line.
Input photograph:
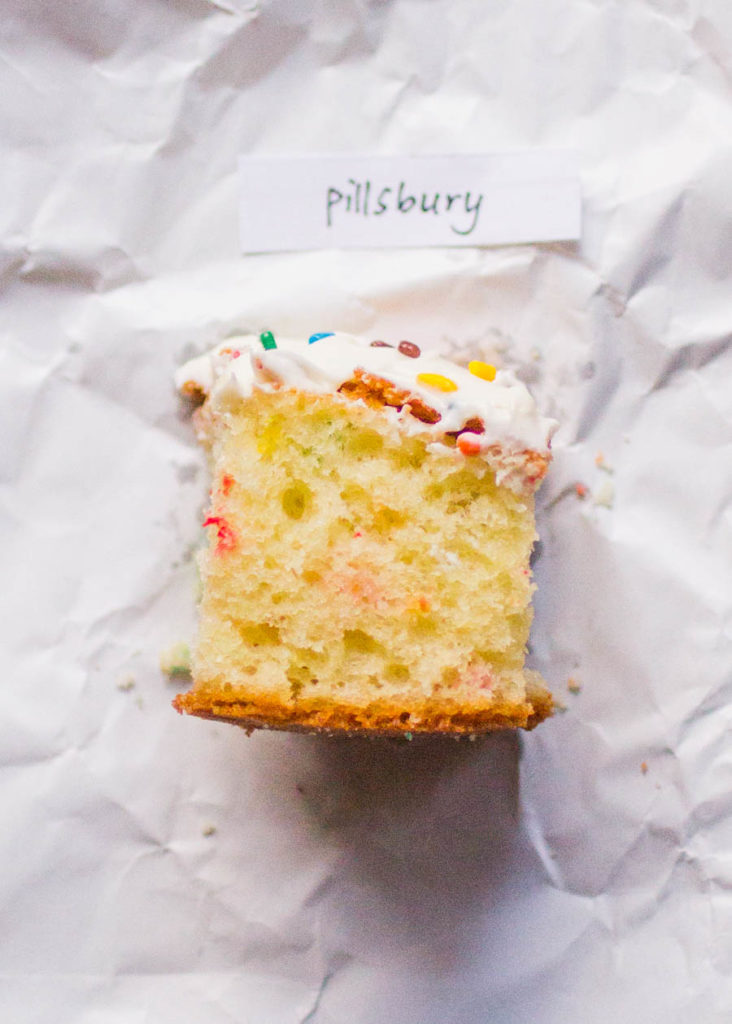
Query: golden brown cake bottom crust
x,y
379,718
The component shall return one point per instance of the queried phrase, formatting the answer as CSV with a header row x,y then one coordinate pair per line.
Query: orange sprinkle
x,y
469,444
227,482
644,767
483,370
436,380
581,490
424,605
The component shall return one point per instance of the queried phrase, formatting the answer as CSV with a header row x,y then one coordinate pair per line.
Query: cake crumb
x,y
644,767
208,830
602,464
573,686
126,684
175,661
605,494
559,707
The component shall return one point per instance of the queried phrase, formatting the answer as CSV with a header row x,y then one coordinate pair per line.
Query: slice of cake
x,y
370,527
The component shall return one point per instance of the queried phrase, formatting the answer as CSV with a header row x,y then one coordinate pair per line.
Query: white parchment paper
x,y
161,869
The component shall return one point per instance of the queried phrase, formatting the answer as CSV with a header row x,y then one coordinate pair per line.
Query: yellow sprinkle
x,y
436,380
483,370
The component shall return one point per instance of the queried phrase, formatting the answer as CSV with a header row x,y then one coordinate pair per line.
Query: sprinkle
x,y
573,686
316,337
235,354
408,348
267,339
581,490
469,444
227,482
483,370
436,380
225,534
380,344
644,767
408,735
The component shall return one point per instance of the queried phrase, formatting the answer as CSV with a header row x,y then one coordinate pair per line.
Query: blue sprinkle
x,y
317,337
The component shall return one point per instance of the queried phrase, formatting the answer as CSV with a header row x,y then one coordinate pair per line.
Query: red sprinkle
x,y
227,482
235,354
408,348
357,533
225,534
381,344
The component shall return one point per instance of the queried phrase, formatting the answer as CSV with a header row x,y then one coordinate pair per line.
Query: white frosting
x,y
504,405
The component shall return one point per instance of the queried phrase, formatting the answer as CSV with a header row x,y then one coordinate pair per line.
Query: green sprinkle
x,y
408,735
267,339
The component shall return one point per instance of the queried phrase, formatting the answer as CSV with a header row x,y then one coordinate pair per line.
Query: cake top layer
x,y
487,407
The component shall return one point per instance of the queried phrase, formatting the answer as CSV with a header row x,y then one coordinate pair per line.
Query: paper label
x,y
344,202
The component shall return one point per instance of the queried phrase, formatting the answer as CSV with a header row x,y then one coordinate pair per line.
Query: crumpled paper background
x,y
160,869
